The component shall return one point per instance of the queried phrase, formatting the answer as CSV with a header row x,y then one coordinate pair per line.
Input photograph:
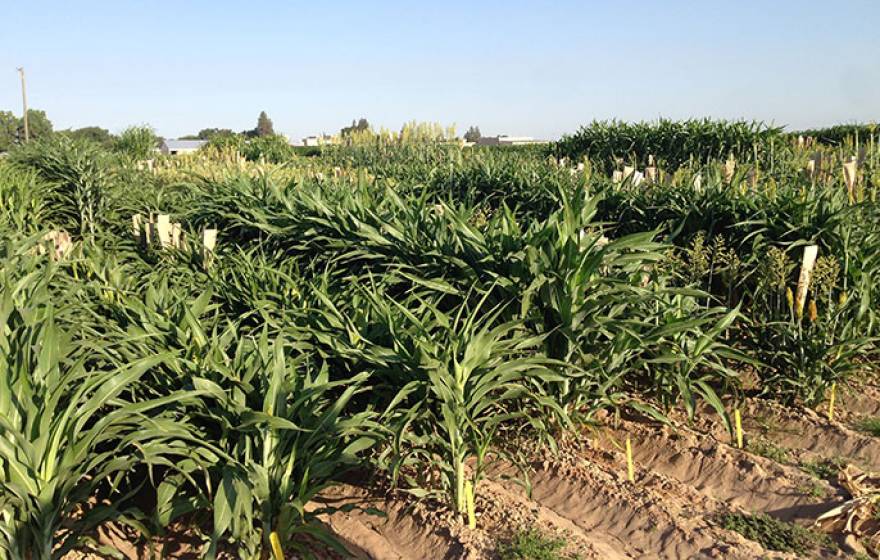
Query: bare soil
x,y
685,475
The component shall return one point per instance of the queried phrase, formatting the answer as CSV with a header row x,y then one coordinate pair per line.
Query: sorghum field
x,y
652,340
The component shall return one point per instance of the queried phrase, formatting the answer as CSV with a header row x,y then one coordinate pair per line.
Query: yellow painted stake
x,y
276,546
630,469
831,401
737,420
469,497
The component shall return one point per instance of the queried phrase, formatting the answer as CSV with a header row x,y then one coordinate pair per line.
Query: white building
x,y
505,140
317,140
174,147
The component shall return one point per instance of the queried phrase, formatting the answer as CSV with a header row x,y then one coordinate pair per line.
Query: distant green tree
x,y
96,134
264,126
137,142
39,125
8,130
208,134
12,128
358,126
473,134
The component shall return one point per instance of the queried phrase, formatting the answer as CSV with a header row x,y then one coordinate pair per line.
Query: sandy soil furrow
x,y
809,434
399,532
858,401
506,502
655,517
724,473
805,433
428,532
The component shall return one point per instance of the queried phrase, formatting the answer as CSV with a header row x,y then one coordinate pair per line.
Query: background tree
x,y
473,134
39,125
264,125
8,130
12,128
96,134
209,133
361,125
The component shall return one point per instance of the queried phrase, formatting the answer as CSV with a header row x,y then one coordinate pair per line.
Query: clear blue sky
x,y
524,68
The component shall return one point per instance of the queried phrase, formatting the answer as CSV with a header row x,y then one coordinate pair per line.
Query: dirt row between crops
x,y
685,474
808,434
580,494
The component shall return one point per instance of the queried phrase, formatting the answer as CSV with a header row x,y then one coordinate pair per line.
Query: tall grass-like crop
x,y
68,434
79,175
672,143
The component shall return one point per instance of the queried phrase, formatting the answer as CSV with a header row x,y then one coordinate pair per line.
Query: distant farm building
x,y
505,140
175,147
317,140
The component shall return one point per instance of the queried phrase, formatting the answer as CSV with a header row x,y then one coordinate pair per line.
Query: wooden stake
x,y
811,168
55,243
850,168
729,168
176,231
163,229
637,178
737,420
149,234
209,241
816,165
136,225
807,265
831,401
630,468
63,244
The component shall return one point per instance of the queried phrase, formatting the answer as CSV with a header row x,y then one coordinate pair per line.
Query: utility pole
x,y
24,104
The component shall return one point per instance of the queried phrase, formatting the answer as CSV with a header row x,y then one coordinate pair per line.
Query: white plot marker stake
x,y
163,229
807,265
